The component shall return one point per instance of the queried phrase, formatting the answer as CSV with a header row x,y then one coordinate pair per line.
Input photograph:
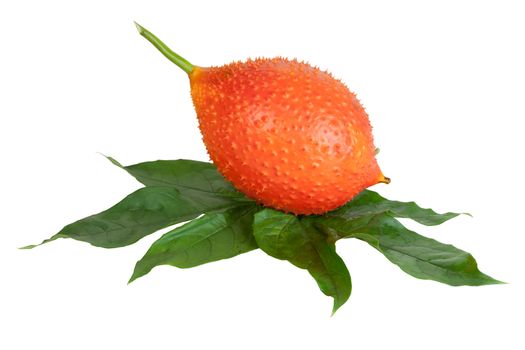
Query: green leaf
x,y
190,177
371,203
418,256
209,238
286,237
141,213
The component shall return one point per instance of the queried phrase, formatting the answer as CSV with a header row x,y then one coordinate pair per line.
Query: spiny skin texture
x,y
285,133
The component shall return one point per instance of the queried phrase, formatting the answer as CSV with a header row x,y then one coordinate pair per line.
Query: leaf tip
x,y
140,28
499,282
138,272
489,280
31,246
337,305
334,309
112,160
134,276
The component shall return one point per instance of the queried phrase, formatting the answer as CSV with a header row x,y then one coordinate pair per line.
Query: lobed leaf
x,y
209,238
141,213
287,237
192,178
371,203
418,256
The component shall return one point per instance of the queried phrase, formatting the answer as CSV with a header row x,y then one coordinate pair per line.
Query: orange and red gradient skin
x,y
285,133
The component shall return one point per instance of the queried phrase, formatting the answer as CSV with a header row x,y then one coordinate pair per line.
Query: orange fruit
x,y
283,132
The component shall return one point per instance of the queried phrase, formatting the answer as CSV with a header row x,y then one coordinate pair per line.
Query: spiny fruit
x,y
283,132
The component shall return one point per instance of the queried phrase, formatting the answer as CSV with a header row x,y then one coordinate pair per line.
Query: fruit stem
x,y
165,50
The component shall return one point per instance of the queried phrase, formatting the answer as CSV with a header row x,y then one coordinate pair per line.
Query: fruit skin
x,y
285,133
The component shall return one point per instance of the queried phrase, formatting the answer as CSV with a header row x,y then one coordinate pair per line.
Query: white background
x,y
444,87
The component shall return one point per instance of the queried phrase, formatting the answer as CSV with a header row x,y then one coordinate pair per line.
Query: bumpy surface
x,y
285,133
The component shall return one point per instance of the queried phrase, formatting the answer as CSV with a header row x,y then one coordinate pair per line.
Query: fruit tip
x,y
384,179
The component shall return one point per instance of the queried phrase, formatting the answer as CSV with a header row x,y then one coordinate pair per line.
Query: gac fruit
x,y
283,132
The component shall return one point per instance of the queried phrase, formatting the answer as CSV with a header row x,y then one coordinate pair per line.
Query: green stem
x,y
165,50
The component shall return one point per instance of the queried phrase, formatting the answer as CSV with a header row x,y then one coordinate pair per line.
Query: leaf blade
x,y
332,276
141,213
286,237
419,256
371,203
192,178
183,247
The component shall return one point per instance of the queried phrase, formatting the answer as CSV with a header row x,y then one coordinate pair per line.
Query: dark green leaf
x,y
209,238
286,237
141,213
371,203
418,256
192,178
